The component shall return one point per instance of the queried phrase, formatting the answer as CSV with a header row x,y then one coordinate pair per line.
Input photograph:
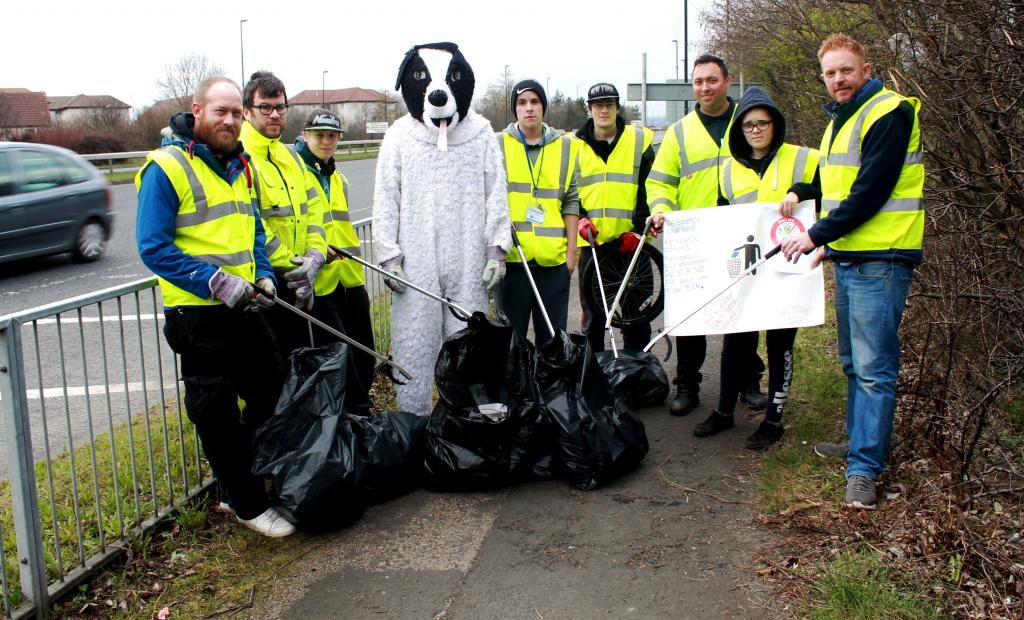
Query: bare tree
x,y
182,77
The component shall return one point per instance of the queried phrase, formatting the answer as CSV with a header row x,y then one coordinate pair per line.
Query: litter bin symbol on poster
x,y
737,262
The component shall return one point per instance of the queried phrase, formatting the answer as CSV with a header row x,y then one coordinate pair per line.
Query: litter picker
x,y
533,285
458,311
604,300
625,279
324,326
740,277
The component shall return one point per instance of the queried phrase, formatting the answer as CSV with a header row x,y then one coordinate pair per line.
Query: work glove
x,y
630,240
394,266
494,270
304,275
263,302
232,290
586,229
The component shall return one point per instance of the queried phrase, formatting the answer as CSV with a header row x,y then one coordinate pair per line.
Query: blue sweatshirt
x,y
155,227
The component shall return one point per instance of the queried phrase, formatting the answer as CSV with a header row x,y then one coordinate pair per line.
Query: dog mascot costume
x,y
440,211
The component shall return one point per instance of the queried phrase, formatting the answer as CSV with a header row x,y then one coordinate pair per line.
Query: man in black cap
x,y
544,206
614,161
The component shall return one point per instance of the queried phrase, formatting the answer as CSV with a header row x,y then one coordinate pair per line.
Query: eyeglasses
x,y
750,126
265,108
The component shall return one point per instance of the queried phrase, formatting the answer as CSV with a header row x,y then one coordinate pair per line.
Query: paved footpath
x,y
672,539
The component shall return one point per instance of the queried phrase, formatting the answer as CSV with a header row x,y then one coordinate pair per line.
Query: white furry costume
x,y
441,210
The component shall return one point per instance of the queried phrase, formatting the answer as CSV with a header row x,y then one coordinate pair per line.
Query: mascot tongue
x,y
442,135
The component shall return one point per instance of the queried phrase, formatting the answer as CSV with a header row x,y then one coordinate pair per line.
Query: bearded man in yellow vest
x,y
544,207
614,161
685,176
291,207
198,229
872,228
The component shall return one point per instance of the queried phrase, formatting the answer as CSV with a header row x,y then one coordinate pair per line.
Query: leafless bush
x,y
963,333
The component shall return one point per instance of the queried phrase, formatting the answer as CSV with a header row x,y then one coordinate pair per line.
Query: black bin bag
x,y
636,377
599,437
325,464
486,429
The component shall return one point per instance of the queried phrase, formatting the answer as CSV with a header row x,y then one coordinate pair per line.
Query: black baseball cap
x,y
602,91
322,120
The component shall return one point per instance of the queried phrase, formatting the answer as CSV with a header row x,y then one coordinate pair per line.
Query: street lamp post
x,y
675,59
323,89
547,86
241,43
506,95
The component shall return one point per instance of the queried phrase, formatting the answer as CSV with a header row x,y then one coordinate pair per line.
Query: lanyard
x,y
540,163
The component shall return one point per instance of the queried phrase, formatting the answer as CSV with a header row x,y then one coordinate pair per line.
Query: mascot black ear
x,y
451,47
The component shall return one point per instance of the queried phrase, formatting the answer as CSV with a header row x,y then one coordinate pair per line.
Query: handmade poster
x,y
711,271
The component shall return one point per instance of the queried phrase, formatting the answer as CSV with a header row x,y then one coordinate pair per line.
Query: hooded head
x,y
436,84
753,98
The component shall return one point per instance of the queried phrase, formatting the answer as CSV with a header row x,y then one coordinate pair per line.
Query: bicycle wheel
x,y
643,300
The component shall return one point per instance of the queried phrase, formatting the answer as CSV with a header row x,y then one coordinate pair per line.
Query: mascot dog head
x,y
437,86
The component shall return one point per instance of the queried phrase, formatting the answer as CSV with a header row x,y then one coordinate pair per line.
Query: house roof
x,y
85,101
341,95
23,109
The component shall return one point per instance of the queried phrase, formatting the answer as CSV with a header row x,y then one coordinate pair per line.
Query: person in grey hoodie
x,y
763,168
544,206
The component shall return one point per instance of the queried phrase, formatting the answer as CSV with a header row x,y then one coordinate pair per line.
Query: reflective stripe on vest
x,y
222,234
339,232
899,224
543,244
607,190
700,158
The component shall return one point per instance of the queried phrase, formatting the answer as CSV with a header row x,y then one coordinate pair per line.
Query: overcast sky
x,y
121,48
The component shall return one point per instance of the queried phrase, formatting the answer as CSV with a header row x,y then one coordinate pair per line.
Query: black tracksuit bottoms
x,y
226,355
348,311
736,368
517,302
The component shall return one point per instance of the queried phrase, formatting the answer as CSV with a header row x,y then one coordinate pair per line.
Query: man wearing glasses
x,y
872,227
290,205
685,176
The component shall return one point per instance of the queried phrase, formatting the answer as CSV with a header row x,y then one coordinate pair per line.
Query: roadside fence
x,y
95,447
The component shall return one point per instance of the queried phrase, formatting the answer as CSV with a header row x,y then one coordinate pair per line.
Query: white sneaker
x,y
270,524
226,508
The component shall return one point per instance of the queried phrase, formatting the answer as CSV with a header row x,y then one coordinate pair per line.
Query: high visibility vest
x,y
608,189
215,222
541,234
289,204
791,164
686,170
340,233
900,223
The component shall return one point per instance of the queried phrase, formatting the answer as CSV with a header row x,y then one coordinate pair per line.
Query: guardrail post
x,y
25,501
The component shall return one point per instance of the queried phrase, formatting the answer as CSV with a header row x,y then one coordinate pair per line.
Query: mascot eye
x,y
419,74
456,76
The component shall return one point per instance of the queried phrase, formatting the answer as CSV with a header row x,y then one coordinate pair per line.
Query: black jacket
x,y
882,154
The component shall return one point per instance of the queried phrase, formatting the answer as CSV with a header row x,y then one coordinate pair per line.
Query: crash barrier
x,y
111,162
95,448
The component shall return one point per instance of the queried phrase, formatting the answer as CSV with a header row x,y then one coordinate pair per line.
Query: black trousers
x,y
517,302
690,354
634,337
290,330
226,355
348,311
735,369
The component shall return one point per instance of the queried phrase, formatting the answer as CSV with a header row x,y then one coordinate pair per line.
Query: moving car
x,y
51,201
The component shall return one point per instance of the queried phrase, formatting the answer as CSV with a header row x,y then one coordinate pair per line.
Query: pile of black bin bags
x,y
506,413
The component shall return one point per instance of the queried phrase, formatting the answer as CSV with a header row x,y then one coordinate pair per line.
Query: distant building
x,y
22,111
354,106
78,107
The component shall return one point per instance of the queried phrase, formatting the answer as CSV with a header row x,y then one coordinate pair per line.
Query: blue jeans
x,y
869,306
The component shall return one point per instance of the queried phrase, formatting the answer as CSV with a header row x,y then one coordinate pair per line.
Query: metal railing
x,y
97,444
108,162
